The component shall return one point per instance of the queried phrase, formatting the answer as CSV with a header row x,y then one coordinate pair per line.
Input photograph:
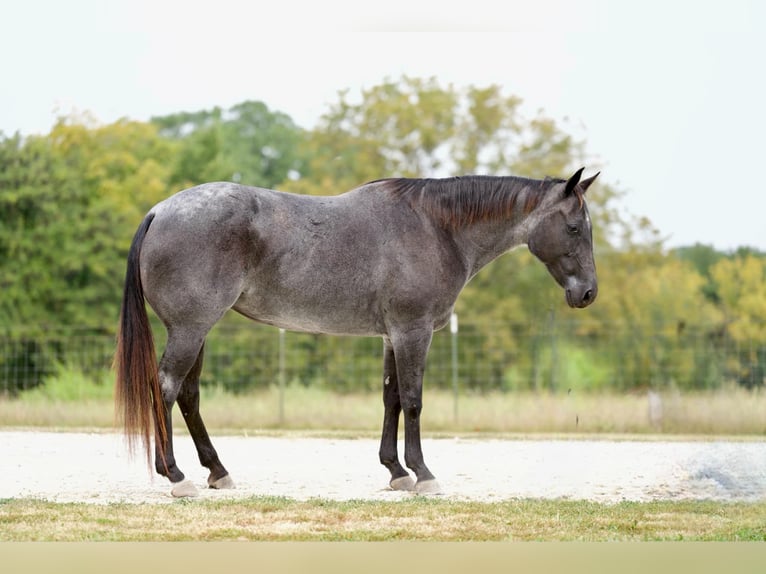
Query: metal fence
x,y
548,355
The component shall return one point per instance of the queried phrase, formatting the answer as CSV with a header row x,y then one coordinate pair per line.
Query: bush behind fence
x,y
550,355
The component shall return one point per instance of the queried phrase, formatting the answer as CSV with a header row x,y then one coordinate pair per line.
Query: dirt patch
x,y
95,468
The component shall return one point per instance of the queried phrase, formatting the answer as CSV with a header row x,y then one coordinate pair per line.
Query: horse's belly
x,y
299,314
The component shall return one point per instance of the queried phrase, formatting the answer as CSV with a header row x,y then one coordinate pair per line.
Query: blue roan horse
x,y
386,259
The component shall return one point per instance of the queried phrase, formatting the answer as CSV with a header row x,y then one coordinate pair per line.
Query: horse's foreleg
x,y
410,350
188,402
389,456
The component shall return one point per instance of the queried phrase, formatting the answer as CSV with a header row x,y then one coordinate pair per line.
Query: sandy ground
x,y
95,468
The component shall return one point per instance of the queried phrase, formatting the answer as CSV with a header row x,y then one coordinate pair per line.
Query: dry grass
x,y
730,412
420,518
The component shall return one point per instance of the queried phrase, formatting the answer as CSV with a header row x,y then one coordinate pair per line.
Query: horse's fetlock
x,y
388,458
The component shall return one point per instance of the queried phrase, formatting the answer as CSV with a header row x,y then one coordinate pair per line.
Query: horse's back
x,y
276,257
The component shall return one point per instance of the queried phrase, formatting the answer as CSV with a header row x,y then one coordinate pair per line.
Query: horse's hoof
x,y
402,483
225,482
184,489
428,487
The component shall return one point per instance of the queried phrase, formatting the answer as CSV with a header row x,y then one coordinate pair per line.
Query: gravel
x,y
96,468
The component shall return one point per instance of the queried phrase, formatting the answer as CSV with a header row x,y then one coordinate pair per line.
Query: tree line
x,y
70,201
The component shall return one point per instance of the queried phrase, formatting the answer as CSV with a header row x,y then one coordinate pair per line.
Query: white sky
x,y
670,95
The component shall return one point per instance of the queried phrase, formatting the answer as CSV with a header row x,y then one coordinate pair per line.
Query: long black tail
x,y
138,398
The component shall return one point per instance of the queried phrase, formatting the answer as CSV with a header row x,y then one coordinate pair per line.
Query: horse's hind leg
x,y
188,402
389,456
177,362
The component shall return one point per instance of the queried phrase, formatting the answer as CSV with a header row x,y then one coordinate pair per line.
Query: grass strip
x,y
418,519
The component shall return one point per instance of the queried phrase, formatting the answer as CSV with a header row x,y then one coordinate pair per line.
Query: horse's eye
x,y
573,229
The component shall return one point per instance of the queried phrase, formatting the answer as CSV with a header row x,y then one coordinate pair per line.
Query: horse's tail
x,y
138,398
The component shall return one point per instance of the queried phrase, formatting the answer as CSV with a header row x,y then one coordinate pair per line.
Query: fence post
x,y
453,330
554,352
281,377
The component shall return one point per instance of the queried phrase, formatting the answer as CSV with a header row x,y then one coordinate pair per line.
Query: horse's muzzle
x,y
581,296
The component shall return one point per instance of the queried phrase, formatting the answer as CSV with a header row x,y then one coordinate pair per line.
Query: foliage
x,y
741,287
70,383
70,202
247,143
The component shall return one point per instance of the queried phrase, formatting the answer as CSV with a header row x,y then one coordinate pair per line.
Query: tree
x,y
70,202
247,143
651,310
29,220
396,130
741,285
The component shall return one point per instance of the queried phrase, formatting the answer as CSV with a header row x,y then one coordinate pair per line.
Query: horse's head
x,y
563,240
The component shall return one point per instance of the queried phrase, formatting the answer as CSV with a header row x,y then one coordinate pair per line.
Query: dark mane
x,y
456,201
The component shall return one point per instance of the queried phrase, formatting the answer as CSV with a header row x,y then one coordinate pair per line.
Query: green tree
x,y
247,143
741,285
397,129
702,257
29,222
652,308
70,202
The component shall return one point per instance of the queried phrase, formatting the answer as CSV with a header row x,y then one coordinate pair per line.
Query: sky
x,y
668,95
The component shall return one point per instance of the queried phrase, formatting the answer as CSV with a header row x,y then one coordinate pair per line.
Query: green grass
x,y
70,384
417,519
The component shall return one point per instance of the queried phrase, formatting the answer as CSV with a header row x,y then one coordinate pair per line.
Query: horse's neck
x,y
483,242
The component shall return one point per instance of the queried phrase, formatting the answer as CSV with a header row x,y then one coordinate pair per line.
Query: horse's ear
x,y
572,182
585,184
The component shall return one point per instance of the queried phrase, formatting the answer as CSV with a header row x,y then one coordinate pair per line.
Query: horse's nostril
x,y
588,296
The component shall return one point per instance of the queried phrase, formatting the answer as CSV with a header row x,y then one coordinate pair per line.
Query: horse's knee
x,y
412,409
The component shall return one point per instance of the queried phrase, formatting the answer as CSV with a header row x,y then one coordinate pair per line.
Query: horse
x,y
386,259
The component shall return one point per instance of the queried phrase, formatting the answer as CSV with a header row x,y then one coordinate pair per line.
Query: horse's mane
x,y
456,201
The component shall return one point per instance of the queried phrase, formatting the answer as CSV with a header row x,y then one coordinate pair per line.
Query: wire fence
x,y
548,355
